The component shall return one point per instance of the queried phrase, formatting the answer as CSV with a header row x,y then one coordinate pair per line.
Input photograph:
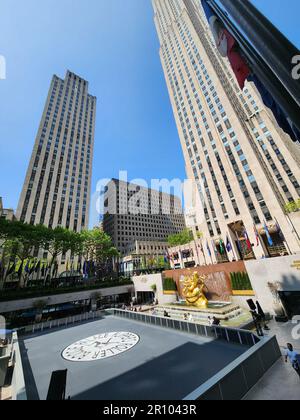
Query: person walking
x,y
292,356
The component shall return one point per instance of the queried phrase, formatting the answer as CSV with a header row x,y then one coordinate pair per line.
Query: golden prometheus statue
x,y
193,291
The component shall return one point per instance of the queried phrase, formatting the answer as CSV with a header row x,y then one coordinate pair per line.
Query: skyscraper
x,y
57,186
245,166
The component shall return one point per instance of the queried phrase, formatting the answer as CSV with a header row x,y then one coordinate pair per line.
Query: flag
x,y
270,240
222,249
227,45
11,269
32,268
256,235
20,270
85,268
208,248
38,266
27,267
248,242
239,243
93,268
215,248
228,244
279,115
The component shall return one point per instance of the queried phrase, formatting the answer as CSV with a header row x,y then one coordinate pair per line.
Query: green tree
x,y
182,238
21,240
292,207
59,241
97,247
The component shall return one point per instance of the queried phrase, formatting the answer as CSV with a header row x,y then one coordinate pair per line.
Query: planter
x,y
243,293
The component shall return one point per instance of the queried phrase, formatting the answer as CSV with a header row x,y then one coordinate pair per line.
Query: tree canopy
x,y
182,238
292,207
20,241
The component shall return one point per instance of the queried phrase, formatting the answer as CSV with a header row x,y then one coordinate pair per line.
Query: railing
x,y
18,381
12,360
231,335
61,323
238,378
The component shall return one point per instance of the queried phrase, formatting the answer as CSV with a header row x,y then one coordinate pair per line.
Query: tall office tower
x,y
56,190
138,214
246,167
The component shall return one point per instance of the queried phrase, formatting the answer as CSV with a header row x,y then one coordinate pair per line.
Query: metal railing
x,y
231,335
61,323
239,377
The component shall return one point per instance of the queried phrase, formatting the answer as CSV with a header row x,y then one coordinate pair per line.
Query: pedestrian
x,y
216,322
257,323
293,357
190,318
263,316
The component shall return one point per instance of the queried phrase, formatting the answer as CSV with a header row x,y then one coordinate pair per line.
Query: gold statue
x,y
193,291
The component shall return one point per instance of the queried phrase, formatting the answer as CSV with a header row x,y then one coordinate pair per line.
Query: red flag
x,y
247,241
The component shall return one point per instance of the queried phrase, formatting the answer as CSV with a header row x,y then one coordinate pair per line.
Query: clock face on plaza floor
x,y
100,346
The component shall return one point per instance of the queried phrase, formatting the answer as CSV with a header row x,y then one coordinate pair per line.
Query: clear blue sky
x,y
113,44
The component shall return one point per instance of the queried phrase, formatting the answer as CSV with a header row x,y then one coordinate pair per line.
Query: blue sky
x,y
113,44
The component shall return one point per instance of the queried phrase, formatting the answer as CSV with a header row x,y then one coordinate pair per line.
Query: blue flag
x,y
228,244
27,269
208,248
270,240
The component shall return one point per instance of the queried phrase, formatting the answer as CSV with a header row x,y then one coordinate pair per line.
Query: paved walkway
x,y
281,382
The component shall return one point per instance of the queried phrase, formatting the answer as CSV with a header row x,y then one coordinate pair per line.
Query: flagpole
x,y
239,246
278,88
276,50
202,250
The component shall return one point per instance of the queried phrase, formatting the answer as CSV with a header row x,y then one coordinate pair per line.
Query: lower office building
x,y
135,216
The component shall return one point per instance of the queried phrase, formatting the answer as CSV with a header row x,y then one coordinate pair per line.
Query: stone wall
x,y
283,273
144,283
